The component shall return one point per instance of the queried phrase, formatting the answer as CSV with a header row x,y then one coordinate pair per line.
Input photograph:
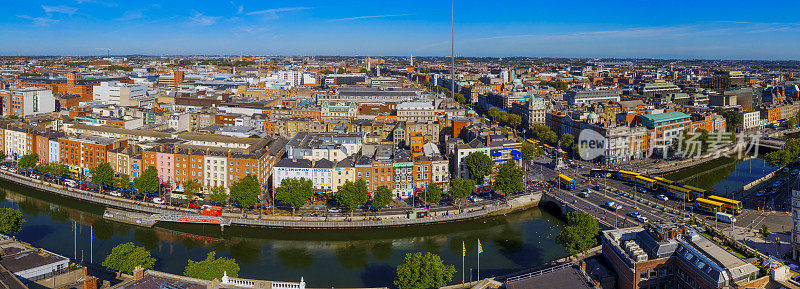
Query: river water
x,y
344,258
724,175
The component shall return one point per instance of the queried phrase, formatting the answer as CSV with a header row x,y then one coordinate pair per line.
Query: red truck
x,y
213,211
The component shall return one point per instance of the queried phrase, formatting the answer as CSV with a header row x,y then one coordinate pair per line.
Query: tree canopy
x,y
580,233
784,157
509,178
191,188
28,161
211,268
479,165
53,169
246,191
11,221
423,272
461,188
544,133
566,140
295,192
103,175
530,151
122,182
559,85
352,194
434,194
381,197
147,181
125,257
218,195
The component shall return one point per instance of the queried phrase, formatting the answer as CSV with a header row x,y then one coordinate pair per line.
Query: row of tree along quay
x,y
291,193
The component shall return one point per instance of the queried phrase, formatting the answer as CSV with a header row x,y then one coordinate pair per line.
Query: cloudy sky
x,y
707,29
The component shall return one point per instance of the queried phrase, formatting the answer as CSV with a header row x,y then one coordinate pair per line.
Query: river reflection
x,y
342,258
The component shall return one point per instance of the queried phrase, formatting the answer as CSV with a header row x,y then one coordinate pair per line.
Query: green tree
x,y
434,194
792,122
460,98
479,165
122,182
2,156
53,169
218,195
11,221
295,192
493,113
148,181
423,272
28,161
529,151
764,232
126,257
566,140
341,71
461,188
326,72
549,136
103,175
246,191
381,197
580,233
352,195
211,268
508,179
191,188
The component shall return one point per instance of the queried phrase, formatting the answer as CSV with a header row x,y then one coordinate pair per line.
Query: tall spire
x,y
412,59
369,63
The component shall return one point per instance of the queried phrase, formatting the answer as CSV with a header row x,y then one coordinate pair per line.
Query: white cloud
x,y
368,17
202,20
273,13
60,9
109,4
131,15
40,21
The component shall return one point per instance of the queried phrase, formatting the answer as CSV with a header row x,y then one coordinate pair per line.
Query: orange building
x,y
73,84
86,152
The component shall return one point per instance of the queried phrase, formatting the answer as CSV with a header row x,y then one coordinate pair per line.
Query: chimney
x,y
138,273
90,282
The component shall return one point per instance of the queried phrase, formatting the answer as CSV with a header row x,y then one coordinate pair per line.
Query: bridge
x,y
772,143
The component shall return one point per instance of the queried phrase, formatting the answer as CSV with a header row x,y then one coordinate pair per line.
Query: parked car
x,y
641,219
334,210
4,167
662,197
36,177
13,170
70,183
158,200
115,193
193,205
760,193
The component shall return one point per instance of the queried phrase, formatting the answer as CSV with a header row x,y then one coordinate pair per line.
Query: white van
x,y
727,218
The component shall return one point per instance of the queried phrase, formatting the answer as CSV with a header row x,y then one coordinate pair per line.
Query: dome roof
x,y
593,116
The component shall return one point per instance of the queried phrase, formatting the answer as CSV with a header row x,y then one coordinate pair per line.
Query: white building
x,y
216,171
751,120
293,78
16,143
419,111
27,101
123,94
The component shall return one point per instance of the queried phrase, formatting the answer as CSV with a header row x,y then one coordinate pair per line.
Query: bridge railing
x,y
540,272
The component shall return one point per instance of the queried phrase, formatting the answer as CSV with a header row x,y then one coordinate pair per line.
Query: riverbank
x,y
147,214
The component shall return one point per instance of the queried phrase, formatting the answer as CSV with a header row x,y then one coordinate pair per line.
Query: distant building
x,y
724,80
578,97
121,94
652,89
751,120
665,127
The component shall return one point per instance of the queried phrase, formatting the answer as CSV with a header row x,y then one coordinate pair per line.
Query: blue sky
x,y
703,29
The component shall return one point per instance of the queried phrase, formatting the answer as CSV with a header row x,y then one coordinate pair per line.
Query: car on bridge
x,y
662,197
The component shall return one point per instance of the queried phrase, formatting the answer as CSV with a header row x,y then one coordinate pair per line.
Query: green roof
x,y
667,116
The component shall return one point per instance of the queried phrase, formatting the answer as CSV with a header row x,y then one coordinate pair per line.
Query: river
x,y
724,175
344,258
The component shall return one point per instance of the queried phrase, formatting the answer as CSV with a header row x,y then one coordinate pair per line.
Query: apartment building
x,y
27,101
122,94
665,127
81,153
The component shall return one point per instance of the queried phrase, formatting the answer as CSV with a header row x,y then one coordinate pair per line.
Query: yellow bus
x,y
628,176
533,141
663,183
708,205
700,193
729,206
680,193
567,182
646,182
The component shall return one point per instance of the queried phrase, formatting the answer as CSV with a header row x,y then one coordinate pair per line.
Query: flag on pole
x,y
463,249
480,249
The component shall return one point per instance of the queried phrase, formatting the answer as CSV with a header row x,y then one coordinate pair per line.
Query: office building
x,y
27,101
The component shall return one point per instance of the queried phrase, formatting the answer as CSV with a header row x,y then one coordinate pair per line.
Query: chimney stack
x,y
138,272
90,282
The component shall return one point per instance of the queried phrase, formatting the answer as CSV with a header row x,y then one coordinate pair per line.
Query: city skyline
x,y
625,29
